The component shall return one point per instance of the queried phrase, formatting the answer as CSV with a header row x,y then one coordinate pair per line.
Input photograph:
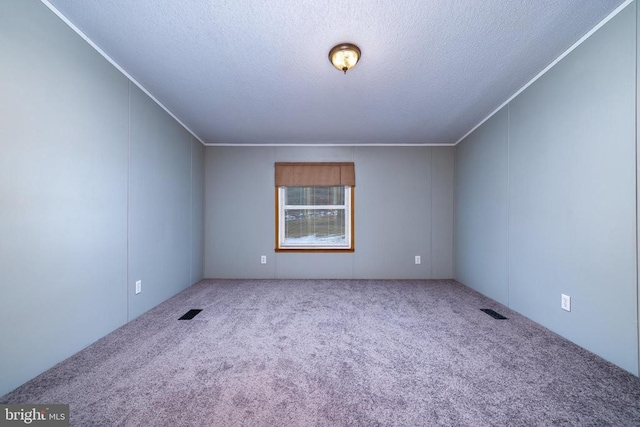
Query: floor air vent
x,y
493,314
190,314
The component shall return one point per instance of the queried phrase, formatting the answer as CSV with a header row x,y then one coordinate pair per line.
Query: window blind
x,y
314,174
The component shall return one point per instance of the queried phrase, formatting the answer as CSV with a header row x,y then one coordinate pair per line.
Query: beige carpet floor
x,y
335,353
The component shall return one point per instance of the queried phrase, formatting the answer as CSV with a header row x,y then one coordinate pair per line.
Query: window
x,y
314,217
315,207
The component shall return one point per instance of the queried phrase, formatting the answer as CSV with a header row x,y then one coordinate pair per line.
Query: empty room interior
x,y
164,157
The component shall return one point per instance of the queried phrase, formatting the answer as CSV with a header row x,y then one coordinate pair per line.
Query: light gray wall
x,y
197,211
403,207
637,179
442,208
159,205
570,185
481,200
73,130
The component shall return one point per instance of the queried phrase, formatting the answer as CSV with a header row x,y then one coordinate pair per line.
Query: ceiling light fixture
x,y
344,56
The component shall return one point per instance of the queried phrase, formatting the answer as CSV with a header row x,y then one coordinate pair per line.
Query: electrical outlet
x,y
138,286
418,259
565,303
263,259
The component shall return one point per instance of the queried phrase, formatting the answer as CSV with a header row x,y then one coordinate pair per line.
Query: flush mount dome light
x,y
344,56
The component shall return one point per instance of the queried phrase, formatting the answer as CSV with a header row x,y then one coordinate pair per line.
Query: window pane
x,y
315,195
295,195
328,195
315,227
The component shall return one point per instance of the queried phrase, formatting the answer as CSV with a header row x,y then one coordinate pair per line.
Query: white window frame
x,y
348,215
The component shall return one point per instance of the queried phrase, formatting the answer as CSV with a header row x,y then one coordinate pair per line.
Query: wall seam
x,y
191,214
454,263
637,210
431,275
353,214
203,213
453,189
274,159
508,234
128,199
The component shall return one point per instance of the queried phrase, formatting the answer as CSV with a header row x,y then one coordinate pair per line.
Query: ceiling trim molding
x,y
118,67
350,144
548,67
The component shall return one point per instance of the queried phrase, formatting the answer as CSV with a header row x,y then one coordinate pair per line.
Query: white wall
x,y
98,187
403,207
546,198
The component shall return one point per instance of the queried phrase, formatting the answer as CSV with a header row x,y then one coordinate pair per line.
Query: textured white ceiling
x,y
257,72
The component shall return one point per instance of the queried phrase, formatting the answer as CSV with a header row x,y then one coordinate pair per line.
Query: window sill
x,y
312,250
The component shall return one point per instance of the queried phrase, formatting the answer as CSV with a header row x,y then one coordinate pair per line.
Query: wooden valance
x,y
315,174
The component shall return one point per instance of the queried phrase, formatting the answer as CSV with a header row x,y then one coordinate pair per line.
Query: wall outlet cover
x,y
565,302
418,259
138,286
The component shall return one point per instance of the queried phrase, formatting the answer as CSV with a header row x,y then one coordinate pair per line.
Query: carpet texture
x,y
335,353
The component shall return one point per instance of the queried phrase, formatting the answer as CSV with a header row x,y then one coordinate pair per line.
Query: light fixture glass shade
x,y
344,56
